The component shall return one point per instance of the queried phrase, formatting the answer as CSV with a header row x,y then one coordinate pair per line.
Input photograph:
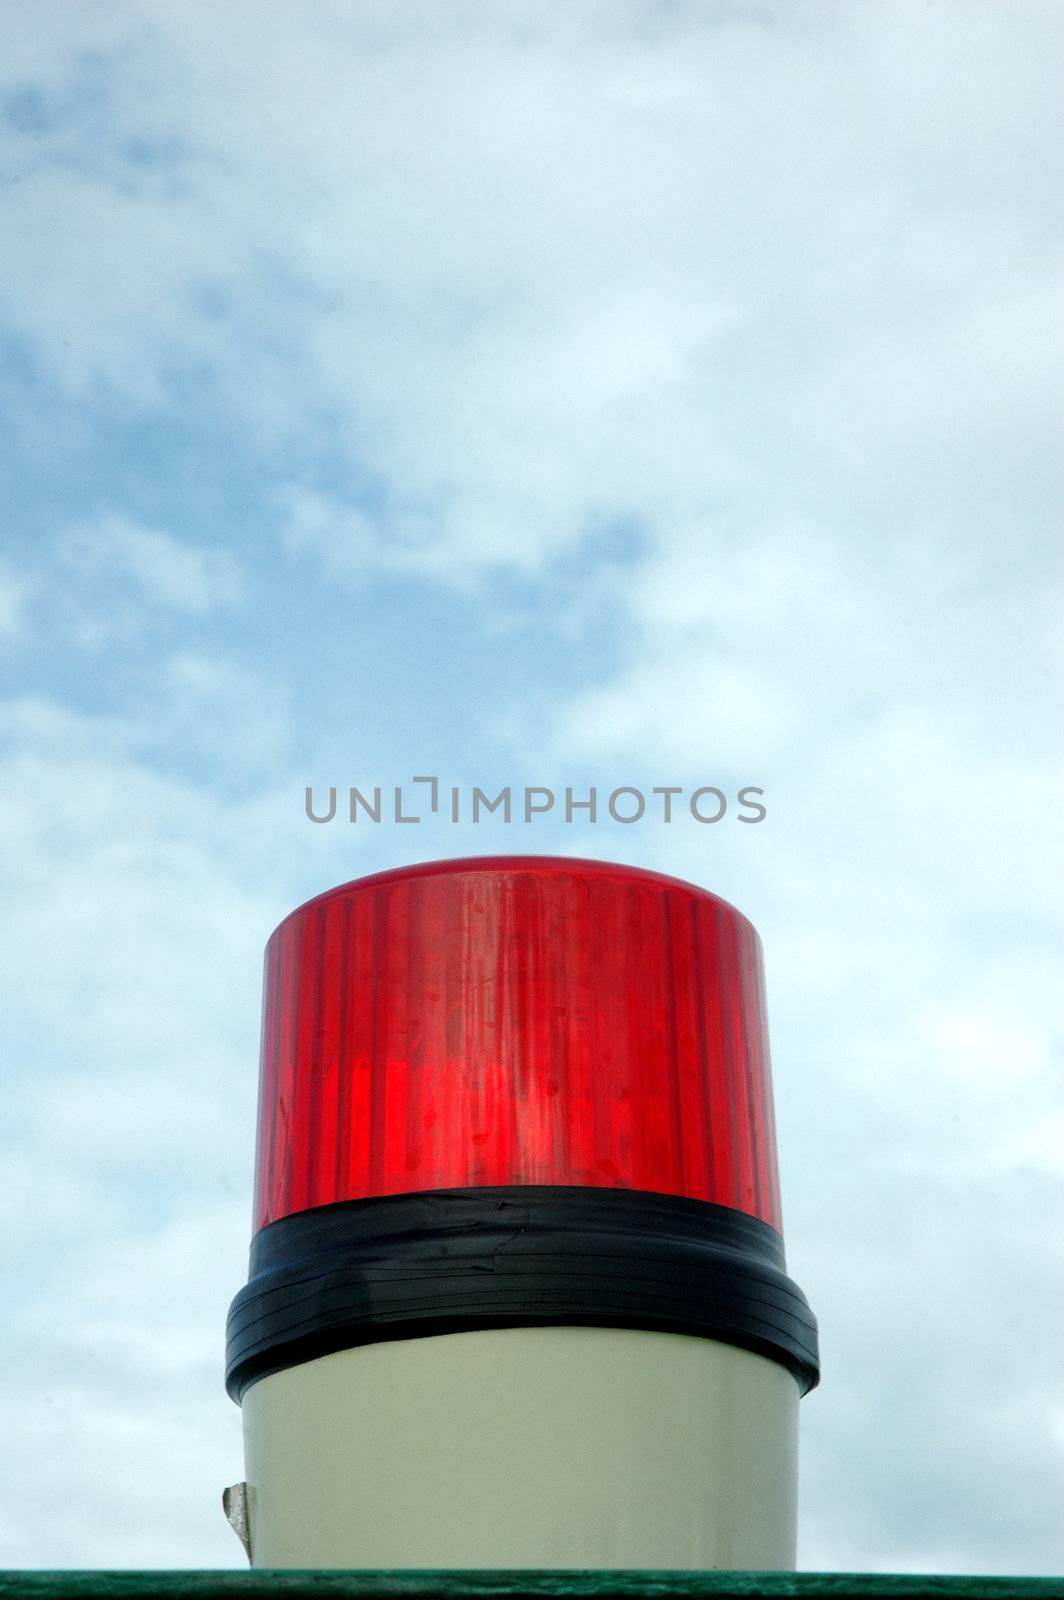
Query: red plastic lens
x,y
515,1020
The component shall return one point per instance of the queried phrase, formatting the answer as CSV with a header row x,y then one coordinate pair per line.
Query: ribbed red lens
x,y
515,1020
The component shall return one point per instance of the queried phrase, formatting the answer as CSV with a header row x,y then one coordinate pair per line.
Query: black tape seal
x,y
453,1260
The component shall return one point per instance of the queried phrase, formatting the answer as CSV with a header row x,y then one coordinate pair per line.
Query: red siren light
x,y
515,1020
517,1291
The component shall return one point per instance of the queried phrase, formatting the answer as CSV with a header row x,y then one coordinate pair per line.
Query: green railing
x,y
517,1585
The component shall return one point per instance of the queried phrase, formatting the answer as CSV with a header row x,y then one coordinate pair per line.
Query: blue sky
x,y
600,394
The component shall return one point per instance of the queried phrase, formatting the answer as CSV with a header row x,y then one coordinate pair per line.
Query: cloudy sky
x,y
636,393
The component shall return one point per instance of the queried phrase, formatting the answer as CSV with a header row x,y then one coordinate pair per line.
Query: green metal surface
x,y
522,1585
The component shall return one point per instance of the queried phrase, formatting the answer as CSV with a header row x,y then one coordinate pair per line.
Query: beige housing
x,y
525,1447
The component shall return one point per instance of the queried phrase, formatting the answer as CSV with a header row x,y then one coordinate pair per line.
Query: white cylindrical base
x,y
525,1447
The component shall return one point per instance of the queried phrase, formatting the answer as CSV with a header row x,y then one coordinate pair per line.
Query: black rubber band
x,y
454,1260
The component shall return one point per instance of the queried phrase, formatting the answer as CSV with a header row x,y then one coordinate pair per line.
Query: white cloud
x,y
116,1423
342,538
136,909
633,263
166,571
16,591
131,944
234,718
